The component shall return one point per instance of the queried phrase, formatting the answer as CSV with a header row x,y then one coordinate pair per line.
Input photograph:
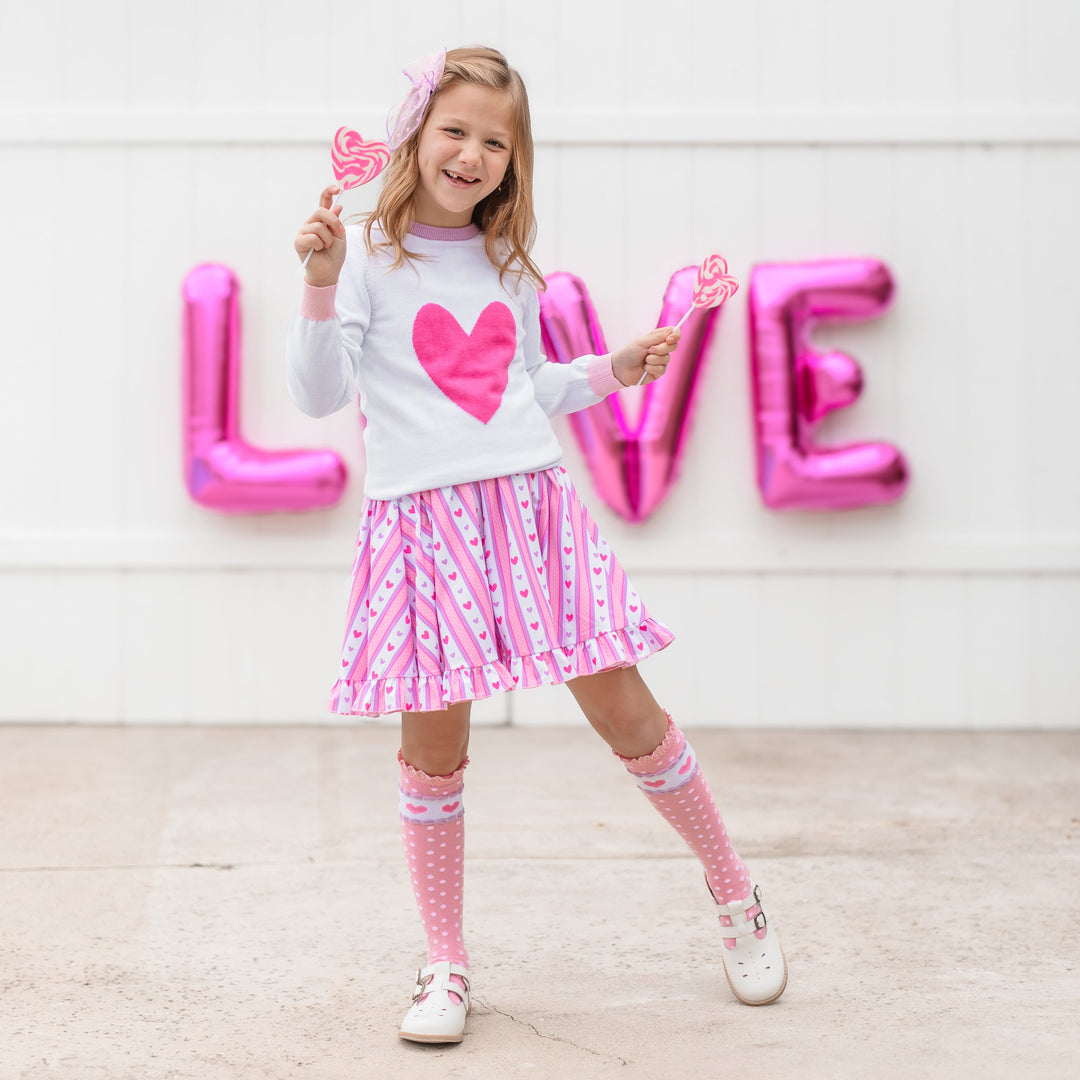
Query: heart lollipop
x,y
354,162
713,286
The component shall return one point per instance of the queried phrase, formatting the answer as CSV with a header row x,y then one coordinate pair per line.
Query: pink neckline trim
x,y
433,232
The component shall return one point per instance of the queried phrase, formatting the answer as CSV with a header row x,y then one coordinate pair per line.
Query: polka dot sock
x,y
672,781
433,831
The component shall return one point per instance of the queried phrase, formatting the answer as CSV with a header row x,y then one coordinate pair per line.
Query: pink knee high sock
x,y
433,831
672,780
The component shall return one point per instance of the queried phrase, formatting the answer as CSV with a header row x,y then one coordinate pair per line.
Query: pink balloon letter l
x,y
221,470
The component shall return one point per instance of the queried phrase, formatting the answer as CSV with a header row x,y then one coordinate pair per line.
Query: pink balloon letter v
x,y
795,386
221,470
634,463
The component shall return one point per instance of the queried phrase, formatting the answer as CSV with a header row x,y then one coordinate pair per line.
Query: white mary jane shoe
x,y
756,969
435,1017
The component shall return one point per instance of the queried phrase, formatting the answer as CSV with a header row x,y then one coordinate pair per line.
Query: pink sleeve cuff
x,y
318,303
602,379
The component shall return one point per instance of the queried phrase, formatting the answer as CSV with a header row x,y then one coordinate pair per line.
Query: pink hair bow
x,y
425,75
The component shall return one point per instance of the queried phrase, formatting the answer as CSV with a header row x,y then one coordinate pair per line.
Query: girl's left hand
x,y
648,355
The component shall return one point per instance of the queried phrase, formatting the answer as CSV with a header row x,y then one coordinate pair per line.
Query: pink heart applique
x,y
686,768
415,809
469,368
451,807
654,783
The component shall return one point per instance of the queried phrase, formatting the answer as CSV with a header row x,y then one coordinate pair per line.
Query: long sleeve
x,y
563,388
325,342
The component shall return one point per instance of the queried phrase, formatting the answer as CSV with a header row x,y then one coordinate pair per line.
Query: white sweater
x,y
448,362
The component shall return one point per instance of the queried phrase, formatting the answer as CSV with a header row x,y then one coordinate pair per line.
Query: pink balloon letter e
x,y
795,386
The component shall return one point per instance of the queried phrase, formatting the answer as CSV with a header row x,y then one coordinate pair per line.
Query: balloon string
x,y
335,201
677,326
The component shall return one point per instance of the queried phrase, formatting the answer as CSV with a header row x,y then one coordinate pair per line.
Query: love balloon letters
x,y
633,458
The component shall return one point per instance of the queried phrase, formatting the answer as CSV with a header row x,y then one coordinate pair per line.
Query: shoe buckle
x,y
422,983
757,893
760,921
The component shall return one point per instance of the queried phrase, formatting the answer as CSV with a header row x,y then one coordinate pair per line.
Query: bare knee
x,y
436,742
622,710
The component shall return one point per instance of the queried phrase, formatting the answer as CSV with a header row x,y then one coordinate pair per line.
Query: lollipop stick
x,y
677,326
335,201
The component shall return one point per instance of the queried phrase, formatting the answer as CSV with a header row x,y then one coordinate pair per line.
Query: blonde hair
x,y
505,216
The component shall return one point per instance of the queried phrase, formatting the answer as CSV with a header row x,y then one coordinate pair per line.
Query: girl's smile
x,y
462,155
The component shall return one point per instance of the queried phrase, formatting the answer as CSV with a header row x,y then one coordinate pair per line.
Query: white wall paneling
x,y
140,138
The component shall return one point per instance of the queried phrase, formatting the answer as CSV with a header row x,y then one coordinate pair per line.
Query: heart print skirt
x,y
462,592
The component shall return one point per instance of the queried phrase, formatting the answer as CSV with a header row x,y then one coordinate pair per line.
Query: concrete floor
x,y
230,903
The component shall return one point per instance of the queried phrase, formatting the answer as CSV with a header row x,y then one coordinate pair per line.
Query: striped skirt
x,y
463,592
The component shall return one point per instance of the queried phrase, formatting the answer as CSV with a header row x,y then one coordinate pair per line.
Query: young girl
x,y
477,567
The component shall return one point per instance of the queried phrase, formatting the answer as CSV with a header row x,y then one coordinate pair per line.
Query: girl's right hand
x,y
324,236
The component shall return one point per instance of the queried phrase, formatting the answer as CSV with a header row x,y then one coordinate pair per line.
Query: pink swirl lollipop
x,y
713,286
354,162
